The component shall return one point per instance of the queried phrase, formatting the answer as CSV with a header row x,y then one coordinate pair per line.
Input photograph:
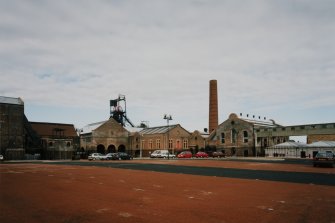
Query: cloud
x,y
266,55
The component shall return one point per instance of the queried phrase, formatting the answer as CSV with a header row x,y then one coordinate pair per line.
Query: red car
x,y
201,155
185,154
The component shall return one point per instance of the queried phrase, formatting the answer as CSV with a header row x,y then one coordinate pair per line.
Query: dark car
x,y
124,156
323,159
218,154
112,156
201,155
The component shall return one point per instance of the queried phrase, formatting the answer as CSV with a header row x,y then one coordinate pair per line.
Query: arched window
x,y
111,149
101,149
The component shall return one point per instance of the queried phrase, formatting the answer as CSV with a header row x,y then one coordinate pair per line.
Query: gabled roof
x,y
322,144
93,126
52,129
157,130
261,123
255,122
90,127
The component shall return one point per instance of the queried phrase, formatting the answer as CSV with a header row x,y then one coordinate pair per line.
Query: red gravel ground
x,y
74,194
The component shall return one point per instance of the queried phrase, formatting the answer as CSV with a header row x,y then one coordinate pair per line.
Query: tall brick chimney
x,y
213,106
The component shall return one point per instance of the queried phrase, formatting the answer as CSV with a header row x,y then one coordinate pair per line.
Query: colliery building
x,y
21,139
106,137
110,136
236,136
56,140
253,136
12,135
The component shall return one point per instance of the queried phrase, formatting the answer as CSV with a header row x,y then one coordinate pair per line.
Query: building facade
x,y
319,137
237,136
105,137
57,140
173,138
12,127
110,137
198,141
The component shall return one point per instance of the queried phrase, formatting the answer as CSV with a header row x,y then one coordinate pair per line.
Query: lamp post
x,y
141,145
78,144
168,118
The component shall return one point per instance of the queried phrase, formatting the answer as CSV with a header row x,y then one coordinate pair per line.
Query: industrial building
x,y
238,135
21,139
12,134
57,140
110,136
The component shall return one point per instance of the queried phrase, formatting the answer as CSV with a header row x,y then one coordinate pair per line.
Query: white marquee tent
x,y
296,149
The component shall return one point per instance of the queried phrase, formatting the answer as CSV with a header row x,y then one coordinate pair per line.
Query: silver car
x,y
324,159
96,156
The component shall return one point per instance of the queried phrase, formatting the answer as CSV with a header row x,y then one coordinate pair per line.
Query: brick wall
x,y
316,138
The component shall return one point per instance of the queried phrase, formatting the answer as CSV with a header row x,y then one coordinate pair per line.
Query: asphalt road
x,y
269,175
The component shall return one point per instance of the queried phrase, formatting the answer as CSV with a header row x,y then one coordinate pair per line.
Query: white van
x,y
161,153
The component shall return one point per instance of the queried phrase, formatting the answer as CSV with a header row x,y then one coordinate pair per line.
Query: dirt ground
x,y
74,194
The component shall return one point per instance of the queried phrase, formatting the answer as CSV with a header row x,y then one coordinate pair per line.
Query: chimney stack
x,y
213,106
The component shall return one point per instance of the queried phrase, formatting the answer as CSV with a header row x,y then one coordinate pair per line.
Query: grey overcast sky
x,y
68,58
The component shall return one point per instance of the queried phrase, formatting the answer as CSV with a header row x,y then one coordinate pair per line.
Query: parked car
x,y
201,155
1,158
323,159
158,153
112,156
166,154
185,154
218,154
124,156
96,156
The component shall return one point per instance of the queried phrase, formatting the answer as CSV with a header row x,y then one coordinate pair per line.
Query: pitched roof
x,y
90,127
157,130
289,145
261,123
52,129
